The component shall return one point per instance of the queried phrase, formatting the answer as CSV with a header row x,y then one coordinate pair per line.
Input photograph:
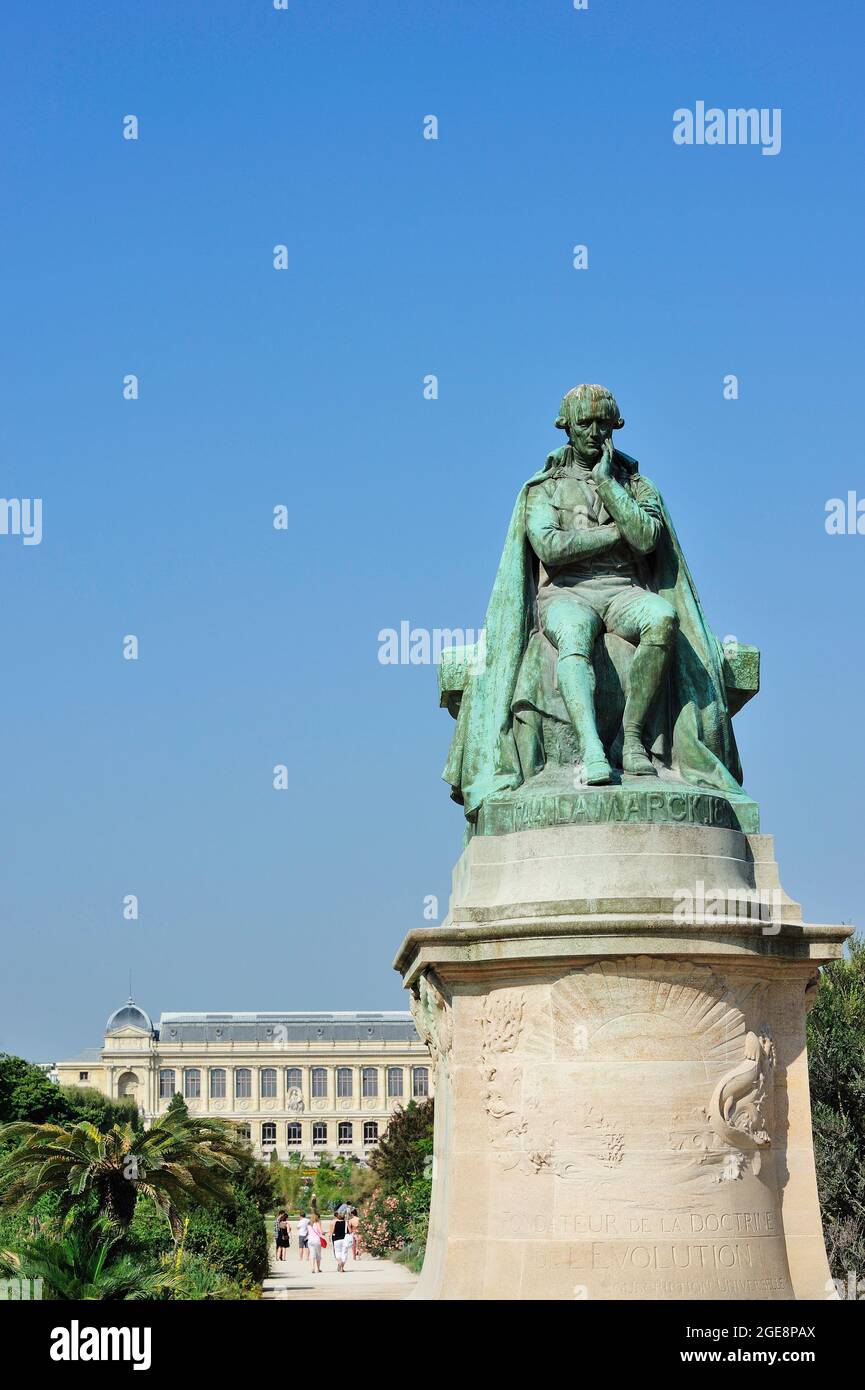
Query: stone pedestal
x,y
616,1014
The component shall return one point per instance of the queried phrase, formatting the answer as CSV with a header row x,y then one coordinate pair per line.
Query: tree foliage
x,y
83,1262
404,1153
179,1162
231,1237
836,1058
85,1191
26,1093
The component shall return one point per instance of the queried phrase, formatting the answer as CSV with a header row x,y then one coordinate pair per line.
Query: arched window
x,y
217,1083
394,1082
370,1132
245,1132
292,1133
343,1081
420,1081
268,1082
319,1081
166,1083
369,1081
243,1083
319,1132
293,1079
345,1132
192,1083
268,1133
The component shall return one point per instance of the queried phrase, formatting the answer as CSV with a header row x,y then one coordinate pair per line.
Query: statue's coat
x,y
483,758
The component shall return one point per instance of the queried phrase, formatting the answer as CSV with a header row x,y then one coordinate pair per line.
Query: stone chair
x,y
542,728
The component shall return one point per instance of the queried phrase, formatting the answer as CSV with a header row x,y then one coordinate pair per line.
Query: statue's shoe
x,y
597,772
636,761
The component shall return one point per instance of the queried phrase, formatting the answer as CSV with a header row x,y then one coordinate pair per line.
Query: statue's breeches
x,y
573,617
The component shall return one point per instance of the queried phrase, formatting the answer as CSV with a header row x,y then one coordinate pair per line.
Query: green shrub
x,y
199,1282
26,1093
396,1220
836,1060
232,1239
384,1222
405,1150
149,1234
411,1255
418,1207
86,1103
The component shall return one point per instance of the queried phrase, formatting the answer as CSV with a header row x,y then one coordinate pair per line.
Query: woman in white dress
x,y
316,1239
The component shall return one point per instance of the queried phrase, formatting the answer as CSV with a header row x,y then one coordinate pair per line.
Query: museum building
x,y
295,1083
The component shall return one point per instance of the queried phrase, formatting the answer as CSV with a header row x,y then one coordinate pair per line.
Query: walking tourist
x,y
353,1230
282,1235
338,1236
316,1240
303,1237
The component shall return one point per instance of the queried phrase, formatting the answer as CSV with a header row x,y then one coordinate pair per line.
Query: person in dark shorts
x,y
282,1234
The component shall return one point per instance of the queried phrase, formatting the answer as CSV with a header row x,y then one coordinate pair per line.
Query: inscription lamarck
x,y
505,814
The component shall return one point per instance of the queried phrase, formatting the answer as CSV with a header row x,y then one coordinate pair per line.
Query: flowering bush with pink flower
x,y
385,1221
395,1216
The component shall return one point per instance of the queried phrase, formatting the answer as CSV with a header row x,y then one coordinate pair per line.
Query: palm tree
x,y
180,1162
81,1264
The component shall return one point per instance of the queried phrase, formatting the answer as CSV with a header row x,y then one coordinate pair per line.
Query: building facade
x,y
296,1083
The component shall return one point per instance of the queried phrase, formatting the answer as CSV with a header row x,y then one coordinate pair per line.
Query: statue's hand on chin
x,y
604,466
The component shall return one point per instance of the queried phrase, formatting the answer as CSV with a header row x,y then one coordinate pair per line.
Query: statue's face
x,y
589,437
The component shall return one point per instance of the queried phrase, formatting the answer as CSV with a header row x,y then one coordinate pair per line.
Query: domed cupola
x,y
129,1015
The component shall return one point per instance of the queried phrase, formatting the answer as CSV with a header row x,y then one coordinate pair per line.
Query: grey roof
x,y
87,1054
287,1027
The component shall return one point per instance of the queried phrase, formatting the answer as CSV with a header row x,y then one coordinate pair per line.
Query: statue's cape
x,y
483,755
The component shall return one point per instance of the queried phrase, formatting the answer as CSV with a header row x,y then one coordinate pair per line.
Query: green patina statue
x,y
597,658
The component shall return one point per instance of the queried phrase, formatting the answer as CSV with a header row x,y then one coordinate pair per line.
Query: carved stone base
x,y
622,1107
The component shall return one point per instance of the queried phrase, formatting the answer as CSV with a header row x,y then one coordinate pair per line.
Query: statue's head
x,y
589,414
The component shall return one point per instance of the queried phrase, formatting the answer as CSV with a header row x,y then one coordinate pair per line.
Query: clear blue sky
x,y
304,387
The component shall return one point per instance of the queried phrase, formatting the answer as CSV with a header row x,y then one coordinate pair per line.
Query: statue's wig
x,y
587,403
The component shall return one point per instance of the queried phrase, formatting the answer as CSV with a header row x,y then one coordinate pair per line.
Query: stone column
x,y
622,1093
